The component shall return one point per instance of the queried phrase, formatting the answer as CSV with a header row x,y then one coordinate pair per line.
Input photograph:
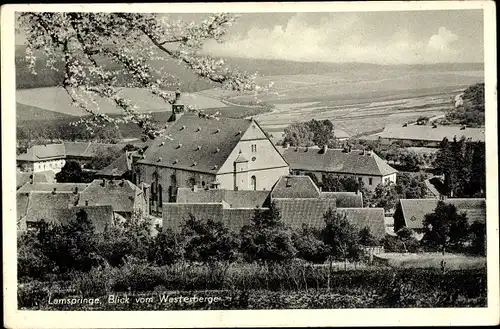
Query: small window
x,y
370,181
253,182
254,148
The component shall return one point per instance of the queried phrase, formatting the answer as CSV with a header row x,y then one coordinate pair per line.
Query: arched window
x,y
160,199
253,182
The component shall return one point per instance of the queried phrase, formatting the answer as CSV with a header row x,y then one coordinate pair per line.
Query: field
x,y
360,99
56,99
432,260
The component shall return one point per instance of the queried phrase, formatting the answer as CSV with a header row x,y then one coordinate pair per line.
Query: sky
x,y
390,37
370,37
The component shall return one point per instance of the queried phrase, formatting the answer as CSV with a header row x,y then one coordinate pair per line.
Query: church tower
x,y
177,108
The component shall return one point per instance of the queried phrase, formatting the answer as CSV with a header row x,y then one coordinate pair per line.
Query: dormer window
x,y
198,148
217,150
179,146
217,131
162,143
159,159
194,164
176,161
183,127
198,129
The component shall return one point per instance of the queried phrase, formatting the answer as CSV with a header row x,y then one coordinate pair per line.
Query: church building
x,y
207,152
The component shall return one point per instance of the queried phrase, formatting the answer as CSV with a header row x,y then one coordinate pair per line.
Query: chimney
x,y
103,182
122,182
195,188
86,202
287,145
288,183
325,148
357,191
349,149
76,190
54,191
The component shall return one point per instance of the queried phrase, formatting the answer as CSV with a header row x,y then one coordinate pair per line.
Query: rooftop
x,y
121,195
414,210
336,161
296,211
427,133
51,187
66,149
373,218
295,187
118,167
196,143
232,199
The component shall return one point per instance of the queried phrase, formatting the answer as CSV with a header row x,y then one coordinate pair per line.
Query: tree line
x,y
55,249
463,164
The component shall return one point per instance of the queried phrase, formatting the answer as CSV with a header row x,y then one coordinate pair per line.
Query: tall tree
x,y
445,227
97,50
208,241
341,236
267,239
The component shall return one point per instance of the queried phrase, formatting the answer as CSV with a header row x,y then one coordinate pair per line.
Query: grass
x,y
433,260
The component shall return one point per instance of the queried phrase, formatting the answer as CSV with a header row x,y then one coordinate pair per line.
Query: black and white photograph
x,y
226,159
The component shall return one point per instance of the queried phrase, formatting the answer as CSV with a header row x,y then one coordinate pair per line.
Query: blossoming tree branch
x,y
98,48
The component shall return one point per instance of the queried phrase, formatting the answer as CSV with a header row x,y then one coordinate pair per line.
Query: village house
x,y
104,201
120,168
365,166
297,197
53,157
125,197
411,212
56,203
428,135
203,151
22,177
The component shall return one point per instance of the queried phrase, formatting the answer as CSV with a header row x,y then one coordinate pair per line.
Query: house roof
x,y
233,199
336,161
118,167
49,187
66,149
296,211
345,199
414,210
75,148
121,195
101,216
43,152
196,143
373,218
292,186
43,205
427,133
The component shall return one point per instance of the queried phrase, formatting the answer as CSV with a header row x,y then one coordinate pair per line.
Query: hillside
x,y
29,113
265,67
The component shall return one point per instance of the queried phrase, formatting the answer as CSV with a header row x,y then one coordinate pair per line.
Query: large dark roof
x,y
121,195
427,133
295,212
100,216
345,199
373,218
295,187
233,199
43,205
175,214
205,143
414,210
43,152
118,167
336,161
49,187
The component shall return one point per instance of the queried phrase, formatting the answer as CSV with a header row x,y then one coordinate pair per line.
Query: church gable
x,y
257,148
